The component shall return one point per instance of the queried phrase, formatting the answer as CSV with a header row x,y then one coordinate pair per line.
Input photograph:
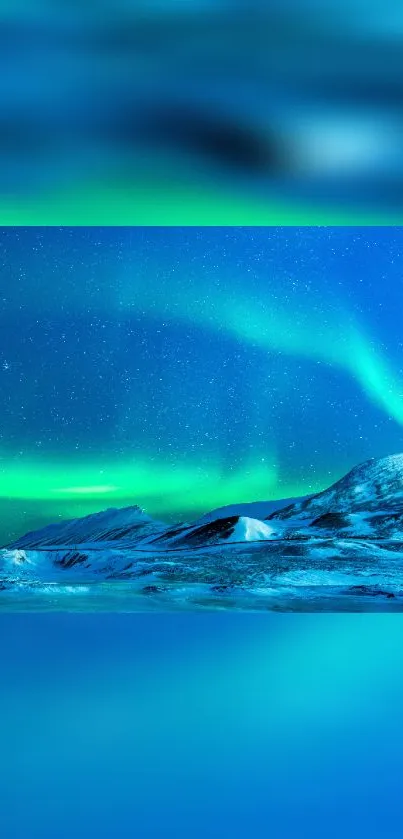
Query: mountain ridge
x,y
366,502
110,525
339,550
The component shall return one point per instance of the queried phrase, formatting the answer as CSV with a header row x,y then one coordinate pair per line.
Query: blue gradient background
x,y
200,725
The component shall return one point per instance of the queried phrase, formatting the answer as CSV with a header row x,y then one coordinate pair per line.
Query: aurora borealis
x,y
186,368
182,369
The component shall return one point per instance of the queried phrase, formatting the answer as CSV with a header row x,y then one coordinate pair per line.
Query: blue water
x,y
200,725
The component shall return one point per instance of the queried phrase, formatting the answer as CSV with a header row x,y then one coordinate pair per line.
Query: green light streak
x,y
160,489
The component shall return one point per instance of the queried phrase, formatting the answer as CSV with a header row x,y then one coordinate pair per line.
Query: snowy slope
x,y
217,532
367,502
125,526
17,564
251,530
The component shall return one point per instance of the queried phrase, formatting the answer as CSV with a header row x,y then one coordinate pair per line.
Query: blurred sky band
x,y
184,111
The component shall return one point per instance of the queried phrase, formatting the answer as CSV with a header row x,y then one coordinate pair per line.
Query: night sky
x,y
185,368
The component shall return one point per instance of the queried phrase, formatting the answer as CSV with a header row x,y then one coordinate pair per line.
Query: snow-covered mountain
x,y
118,560
125,526
366,503
341,548
229,529
131,527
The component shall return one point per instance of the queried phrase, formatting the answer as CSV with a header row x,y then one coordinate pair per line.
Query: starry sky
x,y
187,368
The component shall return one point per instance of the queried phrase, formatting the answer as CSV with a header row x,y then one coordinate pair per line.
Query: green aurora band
x,y
159,488
70,488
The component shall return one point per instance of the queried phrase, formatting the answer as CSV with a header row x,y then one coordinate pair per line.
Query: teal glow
x,y
234,722
333,338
